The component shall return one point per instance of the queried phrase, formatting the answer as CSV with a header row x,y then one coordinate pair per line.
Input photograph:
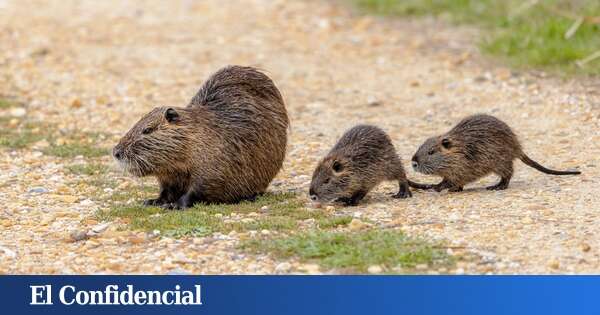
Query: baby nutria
x,y
225,146
478,145
362,158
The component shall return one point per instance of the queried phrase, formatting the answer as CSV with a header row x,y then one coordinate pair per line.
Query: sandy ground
x,y
335,68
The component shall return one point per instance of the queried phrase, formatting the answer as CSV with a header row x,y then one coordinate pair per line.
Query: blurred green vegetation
x,y
22,132
557,35
285,212
355,251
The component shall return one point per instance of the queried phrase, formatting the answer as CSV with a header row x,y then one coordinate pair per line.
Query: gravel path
x,y
98,65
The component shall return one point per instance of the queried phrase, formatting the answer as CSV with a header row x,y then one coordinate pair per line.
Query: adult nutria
x,y
362,158
477,146
225,146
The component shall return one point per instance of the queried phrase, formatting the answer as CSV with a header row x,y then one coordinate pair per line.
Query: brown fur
x,y
226,145
477,146
362,158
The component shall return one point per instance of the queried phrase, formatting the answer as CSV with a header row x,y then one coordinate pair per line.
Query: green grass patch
x,y
354,251
76,144
284,213
71,150
4,103
119,196
88,169
22,135
333,222
18,138
525,36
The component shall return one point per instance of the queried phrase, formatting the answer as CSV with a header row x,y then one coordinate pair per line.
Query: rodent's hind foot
x,y
503,184
251,198
441,185
172,206
153,202
499,186
455,189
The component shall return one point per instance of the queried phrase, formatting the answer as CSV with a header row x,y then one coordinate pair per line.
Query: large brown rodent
x,y
224,147
477,146
362,158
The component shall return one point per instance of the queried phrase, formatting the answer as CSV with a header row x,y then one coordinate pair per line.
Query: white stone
x,y
283,267
374,269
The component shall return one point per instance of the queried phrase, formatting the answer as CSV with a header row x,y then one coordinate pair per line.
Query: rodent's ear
x,y
171,115
446,143
337,166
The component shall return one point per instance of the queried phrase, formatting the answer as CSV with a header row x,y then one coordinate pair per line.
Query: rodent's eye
x,y
446,143
337,167
431,152
147,130
326,181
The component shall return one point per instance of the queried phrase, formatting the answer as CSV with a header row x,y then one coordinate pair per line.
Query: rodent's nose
x,y
312,194
118,153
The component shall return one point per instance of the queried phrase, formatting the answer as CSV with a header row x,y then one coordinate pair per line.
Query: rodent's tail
x,y
419,186
543,169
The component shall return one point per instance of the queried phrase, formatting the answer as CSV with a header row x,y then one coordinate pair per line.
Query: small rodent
x,y
362,158
477,146
225,146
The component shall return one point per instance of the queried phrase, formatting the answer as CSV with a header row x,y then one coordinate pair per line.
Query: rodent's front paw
x,y
402,195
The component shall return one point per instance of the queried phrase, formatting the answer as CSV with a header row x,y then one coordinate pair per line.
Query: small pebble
x,y
79,235
100,228
372,101
421,267
7,252
585,247
375,269
527,220
283,267
357,224
38,190
454,217
87,202
76,103
18,112
178,272
136,240
237,256
554,264
310,268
